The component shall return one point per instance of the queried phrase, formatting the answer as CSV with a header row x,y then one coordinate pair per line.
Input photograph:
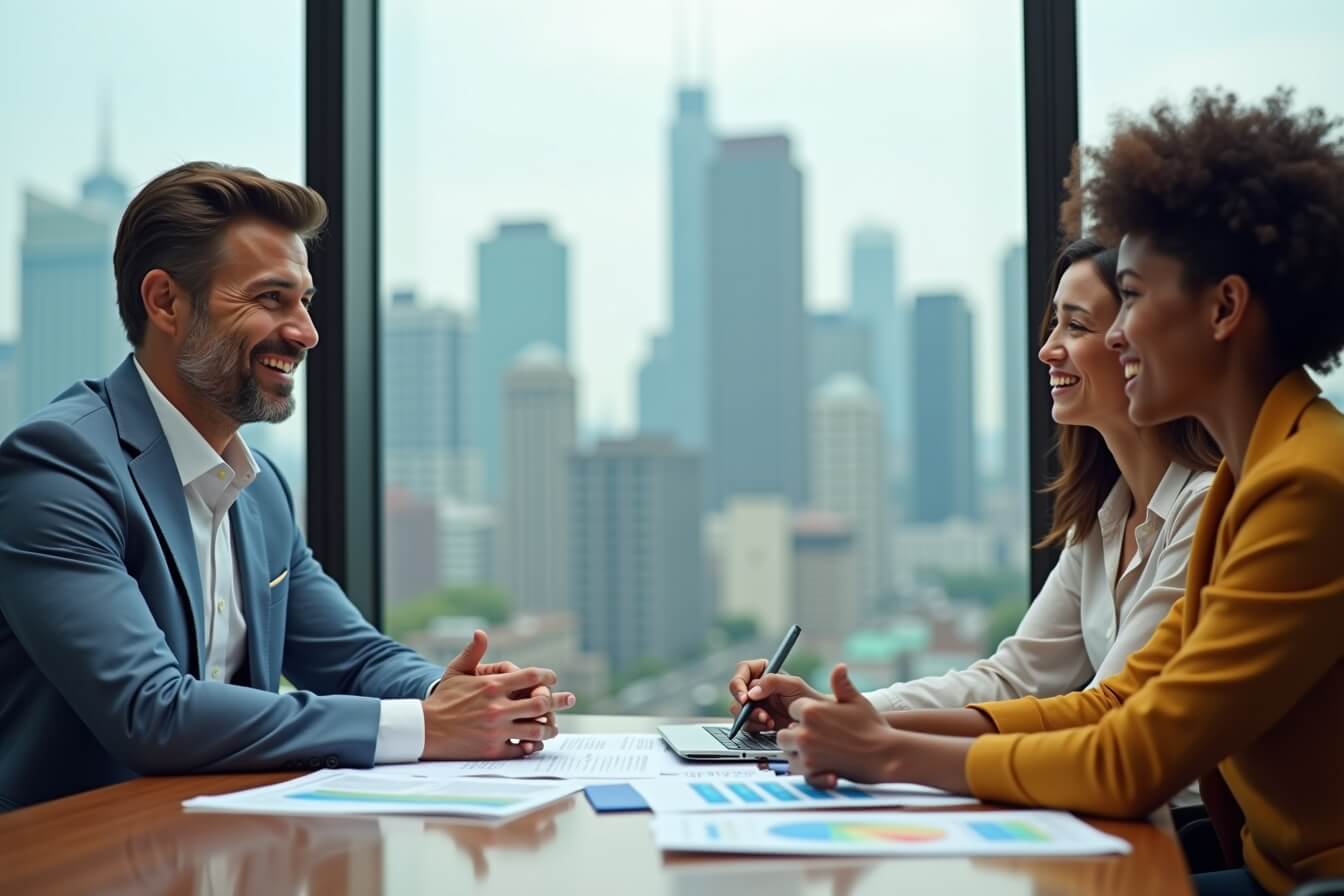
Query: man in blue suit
x,y
154,584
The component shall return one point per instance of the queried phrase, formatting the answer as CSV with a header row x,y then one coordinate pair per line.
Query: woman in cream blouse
x,y
1126,503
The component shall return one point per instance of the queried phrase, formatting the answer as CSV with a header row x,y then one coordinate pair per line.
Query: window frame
x,y
344,495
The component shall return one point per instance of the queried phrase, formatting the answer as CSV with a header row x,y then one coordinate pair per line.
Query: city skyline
x,y
599,78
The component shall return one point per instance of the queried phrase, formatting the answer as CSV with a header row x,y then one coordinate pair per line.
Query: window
x,y
722,281
100,99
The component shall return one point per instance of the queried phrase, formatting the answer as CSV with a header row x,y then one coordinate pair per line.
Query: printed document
x,y
339,792
1010,833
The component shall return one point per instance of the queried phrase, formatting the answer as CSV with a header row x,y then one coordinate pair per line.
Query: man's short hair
x,y
177,224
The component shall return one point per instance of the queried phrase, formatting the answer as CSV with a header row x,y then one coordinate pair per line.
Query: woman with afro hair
x,y
1230,221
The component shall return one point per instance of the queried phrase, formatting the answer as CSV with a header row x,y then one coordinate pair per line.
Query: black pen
x,y
776,661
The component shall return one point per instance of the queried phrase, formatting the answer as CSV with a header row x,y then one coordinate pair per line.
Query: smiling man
x,y
154,583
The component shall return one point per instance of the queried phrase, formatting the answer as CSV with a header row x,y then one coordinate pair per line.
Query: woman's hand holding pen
x,y
775,693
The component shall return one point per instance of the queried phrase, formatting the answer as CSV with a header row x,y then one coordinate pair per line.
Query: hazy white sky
x,y
906,113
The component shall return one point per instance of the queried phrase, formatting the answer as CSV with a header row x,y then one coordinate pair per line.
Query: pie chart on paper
x,y
852,832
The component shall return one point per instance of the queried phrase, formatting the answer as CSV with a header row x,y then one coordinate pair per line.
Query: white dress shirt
x,y
1086,621
211,484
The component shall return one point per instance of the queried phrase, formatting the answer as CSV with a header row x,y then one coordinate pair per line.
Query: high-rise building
x,y
943,410
673,380
757,322
848,472
756,561
410,546
657,385
838,343
522,298
874,299
426,390
9,387
467,540
825,576
636,567
1016,362
69,326
540,419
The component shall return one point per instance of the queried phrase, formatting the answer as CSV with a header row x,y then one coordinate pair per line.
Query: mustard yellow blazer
x,y
1246,672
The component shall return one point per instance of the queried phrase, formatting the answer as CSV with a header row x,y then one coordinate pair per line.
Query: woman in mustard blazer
x,y
1230,220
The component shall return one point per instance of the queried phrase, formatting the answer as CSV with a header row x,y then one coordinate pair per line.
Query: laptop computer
x,y
711,742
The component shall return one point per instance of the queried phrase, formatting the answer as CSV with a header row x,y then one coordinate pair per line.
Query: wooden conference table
x,y
135,838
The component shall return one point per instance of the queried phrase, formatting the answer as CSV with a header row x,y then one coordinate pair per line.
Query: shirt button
x,y
219,606
222,474
214,673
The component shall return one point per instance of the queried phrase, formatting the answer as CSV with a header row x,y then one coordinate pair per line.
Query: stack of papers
x,y
788,793
339,792
1025,833
588,757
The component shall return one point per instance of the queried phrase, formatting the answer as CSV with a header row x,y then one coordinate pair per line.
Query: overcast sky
x,y
903,113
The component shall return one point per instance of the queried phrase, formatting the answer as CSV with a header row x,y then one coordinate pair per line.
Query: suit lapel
x,y
155,473
253,587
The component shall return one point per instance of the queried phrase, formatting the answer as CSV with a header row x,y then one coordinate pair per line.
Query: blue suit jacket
x,y
101,643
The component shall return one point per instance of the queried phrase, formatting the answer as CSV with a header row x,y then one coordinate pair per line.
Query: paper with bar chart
x,y
340,792
786,793
1011,833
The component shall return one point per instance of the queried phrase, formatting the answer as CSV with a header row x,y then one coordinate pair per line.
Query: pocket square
x,y
278,579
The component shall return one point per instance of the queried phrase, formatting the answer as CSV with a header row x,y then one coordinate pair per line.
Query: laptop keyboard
x,y
745,740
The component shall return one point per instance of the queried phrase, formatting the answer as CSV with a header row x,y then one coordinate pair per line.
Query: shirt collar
x,y
191,452
1116,506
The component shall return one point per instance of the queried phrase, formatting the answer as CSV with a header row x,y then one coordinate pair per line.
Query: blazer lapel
x,y
155,474
253,587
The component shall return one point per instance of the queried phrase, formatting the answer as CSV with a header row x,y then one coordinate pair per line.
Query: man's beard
x,y
212,368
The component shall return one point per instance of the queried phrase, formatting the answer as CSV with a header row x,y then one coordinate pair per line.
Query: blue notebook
x,y
614,798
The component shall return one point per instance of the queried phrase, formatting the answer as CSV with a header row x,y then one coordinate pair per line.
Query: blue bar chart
x,y
791,793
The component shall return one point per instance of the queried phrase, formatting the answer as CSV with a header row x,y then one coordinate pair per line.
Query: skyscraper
x,y
873,299
825,576
69,326
426,390
657,386
637,572
756,560
1016,362
757,354
410,546
539,436
944,407
838,343
848,473
9,387
522,297
673,381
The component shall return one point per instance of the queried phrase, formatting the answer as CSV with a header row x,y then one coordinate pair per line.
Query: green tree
x,y
645,667
1003,621
736,629
803,664
482,601
988,589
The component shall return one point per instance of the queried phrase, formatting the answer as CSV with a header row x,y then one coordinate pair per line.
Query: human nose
x,y
299,329
1115,335
1051,351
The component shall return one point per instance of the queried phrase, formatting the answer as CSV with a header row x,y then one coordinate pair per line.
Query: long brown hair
x,y
1087,469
